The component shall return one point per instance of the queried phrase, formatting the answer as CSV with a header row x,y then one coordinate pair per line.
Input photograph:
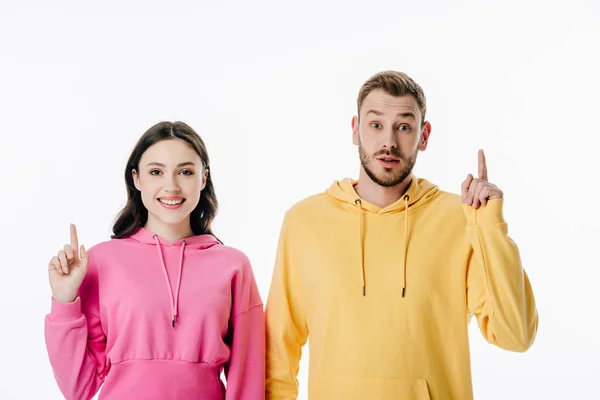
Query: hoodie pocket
x,y
349,388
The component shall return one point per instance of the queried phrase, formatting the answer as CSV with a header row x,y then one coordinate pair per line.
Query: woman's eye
x,y
155,172
187,172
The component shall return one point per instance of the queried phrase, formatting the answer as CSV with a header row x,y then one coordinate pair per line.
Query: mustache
x,y
392,152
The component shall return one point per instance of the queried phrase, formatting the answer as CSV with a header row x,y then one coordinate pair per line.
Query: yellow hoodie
x,y
386,295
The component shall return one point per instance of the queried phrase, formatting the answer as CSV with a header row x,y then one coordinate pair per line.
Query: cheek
x,y
368,141
410,142
192,188
148,189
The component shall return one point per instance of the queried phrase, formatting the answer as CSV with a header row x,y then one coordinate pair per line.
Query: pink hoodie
x,y
161,320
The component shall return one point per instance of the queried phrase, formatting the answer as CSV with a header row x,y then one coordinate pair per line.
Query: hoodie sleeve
x,y
498,290
245,372
75,341
287,330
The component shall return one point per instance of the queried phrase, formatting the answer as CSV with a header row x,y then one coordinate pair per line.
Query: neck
x,y
379,195
169,232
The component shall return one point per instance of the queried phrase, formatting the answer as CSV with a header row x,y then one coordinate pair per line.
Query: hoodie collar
x,y
419,191
200,242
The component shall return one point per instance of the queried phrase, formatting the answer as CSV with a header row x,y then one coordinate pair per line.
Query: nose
x,y
390,141
172,186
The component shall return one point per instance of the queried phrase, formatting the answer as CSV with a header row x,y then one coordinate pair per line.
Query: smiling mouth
x,y
171,202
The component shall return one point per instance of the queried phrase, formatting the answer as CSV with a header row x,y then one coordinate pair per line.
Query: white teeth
x,y
171,202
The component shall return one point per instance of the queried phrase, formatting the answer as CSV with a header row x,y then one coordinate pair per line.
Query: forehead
x,y
170,150
389,105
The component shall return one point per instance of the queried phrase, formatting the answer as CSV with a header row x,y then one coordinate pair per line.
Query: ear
x,y
425,133
355,133
204,178
136,179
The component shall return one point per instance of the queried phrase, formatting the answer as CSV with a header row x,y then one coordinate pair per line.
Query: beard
x,y
392,176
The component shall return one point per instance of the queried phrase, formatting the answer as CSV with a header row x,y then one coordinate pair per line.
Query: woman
x,y
161,309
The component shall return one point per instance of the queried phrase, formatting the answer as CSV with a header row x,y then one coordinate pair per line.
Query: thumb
x,y
465,186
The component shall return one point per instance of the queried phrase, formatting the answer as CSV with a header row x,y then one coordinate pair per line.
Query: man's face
x,y
389,134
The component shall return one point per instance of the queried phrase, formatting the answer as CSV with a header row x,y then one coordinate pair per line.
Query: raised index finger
x,y
74,241
482,167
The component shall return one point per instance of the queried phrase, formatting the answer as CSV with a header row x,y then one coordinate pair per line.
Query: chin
x,y
171,218
388,175
388,179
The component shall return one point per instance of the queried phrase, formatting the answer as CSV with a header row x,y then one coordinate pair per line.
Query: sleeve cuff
x,y
65,311
485,215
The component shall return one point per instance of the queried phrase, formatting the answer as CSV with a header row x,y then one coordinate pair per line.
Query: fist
x,y
67,270
477,191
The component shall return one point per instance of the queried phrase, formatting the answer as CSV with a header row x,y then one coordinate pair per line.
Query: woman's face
x,y
170,177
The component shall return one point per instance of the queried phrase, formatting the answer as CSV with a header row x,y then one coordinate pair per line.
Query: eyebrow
x,y
157,164
403,115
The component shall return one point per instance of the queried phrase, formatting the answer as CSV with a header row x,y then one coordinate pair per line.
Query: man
x,y
386,272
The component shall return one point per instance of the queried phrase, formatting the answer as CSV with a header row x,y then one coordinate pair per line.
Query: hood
x,y
420,191
199,242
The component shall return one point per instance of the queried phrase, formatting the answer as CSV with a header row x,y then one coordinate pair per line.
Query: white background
x,y
271,87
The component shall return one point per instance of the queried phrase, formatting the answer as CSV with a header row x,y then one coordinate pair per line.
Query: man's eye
x,y
376,125
403,127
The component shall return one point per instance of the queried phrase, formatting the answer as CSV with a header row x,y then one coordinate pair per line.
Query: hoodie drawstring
x,y
361,243
362,258
406,198
174,300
